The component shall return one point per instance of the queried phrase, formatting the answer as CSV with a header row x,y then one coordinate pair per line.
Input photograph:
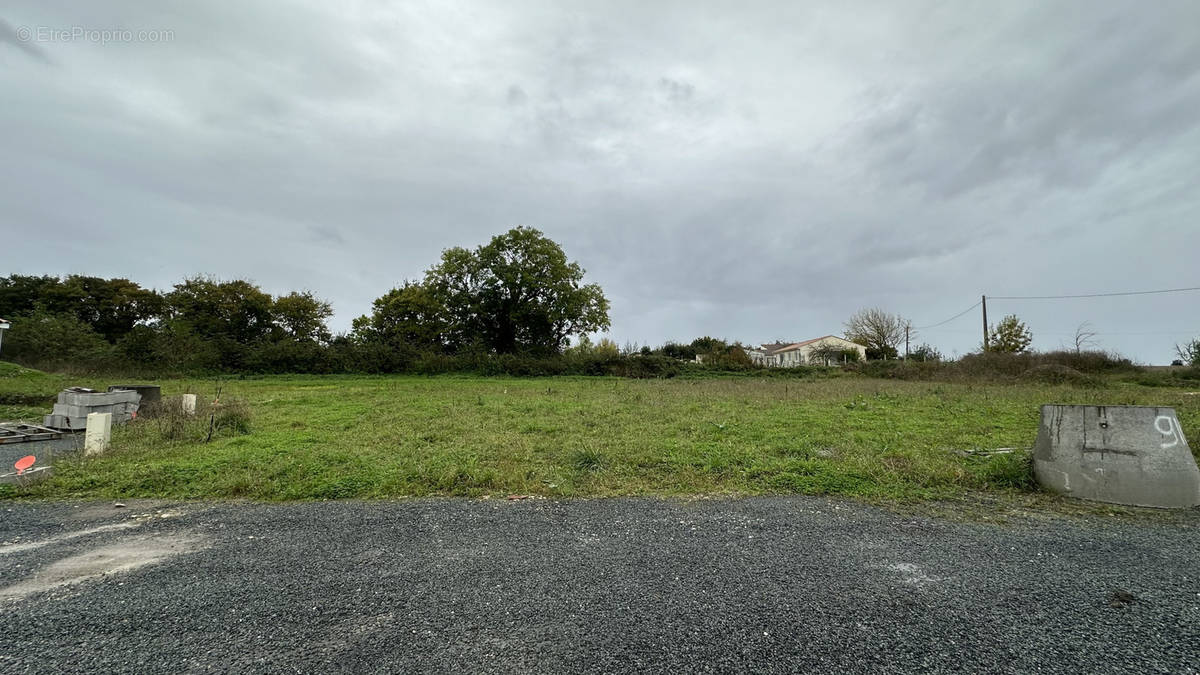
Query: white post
x,y
189,404
98,434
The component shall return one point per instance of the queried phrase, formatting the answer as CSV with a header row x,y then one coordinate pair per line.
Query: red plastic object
x,y
24,463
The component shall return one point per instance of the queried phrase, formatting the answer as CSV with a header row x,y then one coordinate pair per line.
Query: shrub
x,y
924,352
993,364
898,370
643,367
1060,367
1055,373
1010,470
167,421
1091,362
55,341
291,356
587,460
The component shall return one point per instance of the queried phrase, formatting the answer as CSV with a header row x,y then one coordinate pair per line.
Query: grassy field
x,y
351,436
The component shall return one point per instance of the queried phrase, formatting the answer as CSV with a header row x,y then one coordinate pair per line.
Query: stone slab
x,y
91,399
84,410
1135,455
98,434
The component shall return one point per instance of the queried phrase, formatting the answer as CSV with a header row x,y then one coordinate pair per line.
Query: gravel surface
x,y
757,584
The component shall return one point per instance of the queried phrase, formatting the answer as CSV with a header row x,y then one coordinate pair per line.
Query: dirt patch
x,y
124,556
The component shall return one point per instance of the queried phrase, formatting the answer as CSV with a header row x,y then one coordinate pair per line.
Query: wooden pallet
x,y
22,433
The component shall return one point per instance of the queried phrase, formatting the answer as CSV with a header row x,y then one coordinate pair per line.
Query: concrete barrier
x,y
98,434
1134,455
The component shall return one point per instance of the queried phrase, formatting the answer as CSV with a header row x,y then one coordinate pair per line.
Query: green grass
x,y
375,437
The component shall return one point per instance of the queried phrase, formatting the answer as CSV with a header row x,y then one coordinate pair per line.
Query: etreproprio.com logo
x,y
96,35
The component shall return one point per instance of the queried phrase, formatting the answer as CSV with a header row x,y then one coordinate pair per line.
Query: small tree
x,y
879,331
925,352
1189,352
831,354
709,345
1085,337
607,349
1010,336
679,351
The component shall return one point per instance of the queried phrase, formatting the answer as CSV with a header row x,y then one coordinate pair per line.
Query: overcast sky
x,y
747,170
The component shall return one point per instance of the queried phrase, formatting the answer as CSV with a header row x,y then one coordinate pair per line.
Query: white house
x,y
807,353
4,325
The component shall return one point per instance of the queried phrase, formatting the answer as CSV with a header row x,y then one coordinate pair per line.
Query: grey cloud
x,y
326,235
21,37
676,91
516,95
1079,92
720,171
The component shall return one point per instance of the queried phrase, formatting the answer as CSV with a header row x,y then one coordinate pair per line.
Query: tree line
x,y
511,305
515,304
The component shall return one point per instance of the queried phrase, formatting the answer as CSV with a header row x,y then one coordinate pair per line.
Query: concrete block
x,y
93,399
82,398
126,396
98,434
64,422
82,410
149,393
189,404
1134,455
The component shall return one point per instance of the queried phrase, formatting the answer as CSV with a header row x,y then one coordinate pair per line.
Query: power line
x,y
1089,295
1056,297
950,319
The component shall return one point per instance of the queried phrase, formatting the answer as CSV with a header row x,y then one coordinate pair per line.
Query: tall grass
x,y
318,437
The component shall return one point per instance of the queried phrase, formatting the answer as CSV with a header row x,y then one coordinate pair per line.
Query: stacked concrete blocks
x,y
74,405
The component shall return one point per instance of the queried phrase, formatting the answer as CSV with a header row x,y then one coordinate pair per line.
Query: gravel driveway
x,y
617,585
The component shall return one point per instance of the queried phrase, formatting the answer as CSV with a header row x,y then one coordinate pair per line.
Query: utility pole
x,y
985,335
907,325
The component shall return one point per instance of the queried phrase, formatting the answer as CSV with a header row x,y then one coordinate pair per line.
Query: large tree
x,y
409,315
21,294
301,316
233,310
879,331
110,307
516,294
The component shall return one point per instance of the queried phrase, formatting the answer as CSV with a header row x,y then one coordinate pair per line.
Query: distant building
x,y
814,352
4,325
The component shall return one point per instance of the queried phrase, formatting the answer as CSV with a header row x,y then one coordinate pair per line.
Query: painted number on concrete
x,y
1169,426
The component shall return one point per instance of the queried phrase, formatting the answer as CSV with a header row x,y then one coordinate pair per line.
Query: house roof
x,y
773,347
798,345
